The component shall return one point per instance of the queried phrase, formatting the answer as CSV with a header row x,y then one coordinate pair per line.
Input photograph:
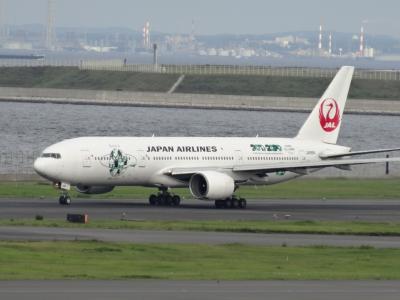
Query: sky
x,y
214,16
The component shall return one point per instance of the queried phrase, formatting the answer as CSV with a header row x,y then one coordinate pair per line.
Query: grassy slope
x,y
286,87
373,89
297,189
95,260
73,78
254,85
67,77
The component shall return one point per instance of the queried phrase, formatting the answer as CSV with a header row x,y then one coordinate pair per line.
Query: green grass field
x,y
297,189
97,260
73,78
277,226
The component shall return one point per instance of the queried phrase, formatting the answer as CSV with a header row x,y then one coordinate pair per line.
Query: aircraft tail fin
x,y
325,120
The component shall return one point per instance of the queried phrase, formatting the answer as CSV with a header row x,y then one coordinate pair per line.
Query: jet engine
x,y
211,185
94,190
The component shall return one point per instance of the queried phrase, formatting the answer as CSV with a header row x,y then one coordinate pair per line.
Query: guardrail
x,y
241,70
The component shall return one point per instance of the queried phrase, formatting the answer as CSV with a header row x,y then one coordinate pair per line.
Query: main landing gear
x,y
231,203
164,198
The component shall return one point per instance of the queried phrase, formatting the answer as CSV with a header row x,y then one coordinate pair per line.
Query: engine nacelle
x,y
211,185
94,190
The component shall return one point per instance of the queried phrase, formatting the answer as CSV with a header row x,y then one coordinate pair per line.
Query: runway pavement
x,y
190,237
346,210
200,290
159,289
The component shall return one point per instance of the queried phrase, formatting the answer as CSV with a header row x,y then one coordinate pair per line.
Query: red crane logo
x,y
329,115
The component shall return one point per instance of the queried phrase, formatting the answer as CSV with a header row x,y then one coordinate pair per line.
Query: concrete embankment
x,y
205,101
20,177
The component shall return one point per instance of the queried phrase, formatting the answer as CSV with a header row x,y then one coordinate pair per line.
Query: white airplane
x,y
213,168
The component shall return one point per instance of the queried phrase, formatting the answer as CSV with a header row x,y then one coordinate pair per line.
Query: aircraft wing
x,y
296,167
182,172
353,153
300,167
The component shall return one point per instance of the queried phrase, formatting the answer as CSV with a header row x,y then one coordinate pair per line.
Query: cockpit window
x,y
52,155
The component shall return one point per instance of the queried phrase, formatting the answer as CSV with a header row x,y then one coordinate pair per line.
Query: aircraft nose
x,y
40,167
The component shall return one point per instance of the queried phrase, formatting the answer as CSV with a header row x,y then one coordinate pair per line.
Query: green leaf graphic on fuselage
x,y
117,162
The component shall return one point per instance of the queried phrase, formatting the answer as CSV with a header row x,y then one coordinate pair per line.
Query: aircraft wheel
x,y
67,200
242,203
229,203
153,200
219,204
168,200
234,203
160,200
176,200
64,200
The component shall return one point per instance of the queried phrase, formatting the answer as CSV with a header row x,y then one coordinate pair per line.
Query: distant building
x,y
285,41
18,46
369,52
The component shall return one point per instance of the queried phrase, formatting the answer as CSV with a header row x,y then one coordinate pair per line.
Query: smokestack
x,y
330,44
362,41
155,58
320,39
3,29
192,34
50,34
146,36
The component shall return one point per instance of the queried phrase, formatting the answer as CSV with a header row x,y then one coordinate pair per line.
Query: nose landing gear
x,y
64,199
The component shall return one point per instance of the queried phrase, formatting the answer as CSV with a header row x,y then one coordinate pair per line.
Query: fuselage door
x,y
238,156
142,158
306,155
86,159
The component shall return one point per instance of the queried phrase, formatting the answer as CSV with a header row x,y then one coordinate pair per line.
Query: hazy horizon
x,y
222,17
